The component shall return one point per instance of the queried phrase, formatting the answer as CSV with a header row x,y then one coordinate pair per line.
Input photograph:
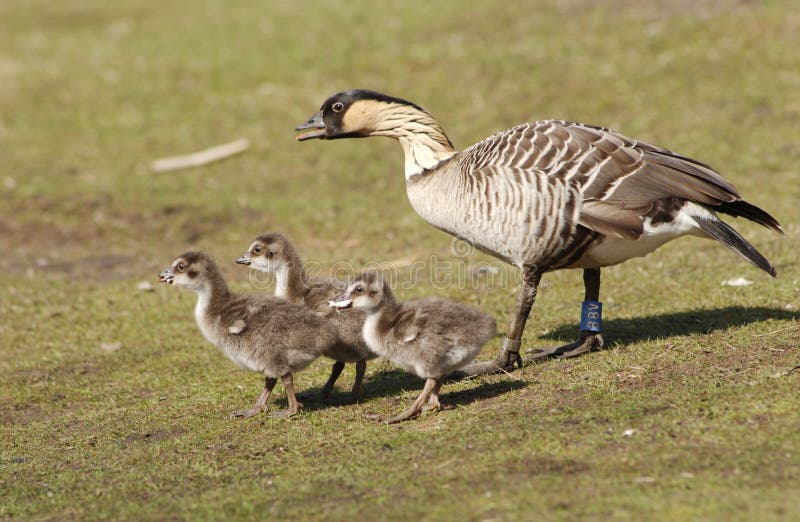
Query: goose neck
x,y
291,280
425,145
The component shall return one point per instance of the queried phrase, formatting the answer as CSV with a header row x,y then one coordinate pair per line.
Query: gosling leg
x,y
416,407
338,366
294,404
261,403
433,401
361,368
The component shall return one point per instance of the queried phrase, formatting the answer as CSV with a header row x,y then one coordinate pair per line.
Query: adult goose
x,y
548,195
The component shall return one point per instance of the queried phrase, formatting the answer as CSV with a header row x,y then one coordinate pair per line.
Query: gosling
x,y
273,253
259,333
429,337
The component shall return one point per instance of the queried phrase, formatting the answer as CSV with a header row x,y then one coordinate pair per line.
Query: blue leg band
x,y
592,316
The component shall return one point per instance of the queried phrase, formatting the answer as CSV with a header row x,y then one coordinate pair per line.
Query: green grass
x,y
91,92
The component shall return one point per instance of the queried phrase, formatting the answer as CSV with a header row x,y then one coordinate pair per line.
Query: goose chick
x,y
429,337
259,333
548,195
273,253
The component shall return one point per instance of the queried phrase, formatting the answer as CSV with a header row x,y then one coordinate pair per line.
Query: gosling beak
x,y
316,125
244,259
341,302
167,276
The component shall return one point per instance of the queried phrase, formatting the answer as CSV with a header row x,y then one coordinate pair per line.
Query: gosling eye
x,y
359,289
338,107
257,249
180,267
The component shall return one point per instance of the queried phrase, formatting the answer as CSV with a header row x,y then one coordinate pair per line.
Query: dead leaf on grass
x,y
737,281
111,347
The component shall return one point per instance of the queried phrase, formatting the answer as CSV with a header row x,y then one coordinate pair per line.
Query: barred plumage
x,y
561,175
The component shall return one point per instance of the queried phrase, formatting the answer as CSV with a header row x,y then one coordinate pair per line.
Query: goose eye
x,y
180,267
359,289
338,107
257,250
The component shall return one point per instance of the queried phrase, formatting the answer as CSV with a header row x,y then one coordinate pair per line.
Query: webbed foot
x,y
506,362
288,412
246,413
587,343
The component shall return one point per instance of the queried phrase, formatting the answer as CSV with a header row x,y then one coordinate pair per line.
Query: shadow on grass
x,y
390,383
678,323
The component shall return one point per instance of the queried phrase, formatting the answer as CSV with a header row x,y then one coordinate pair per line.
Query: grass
x,y
113,406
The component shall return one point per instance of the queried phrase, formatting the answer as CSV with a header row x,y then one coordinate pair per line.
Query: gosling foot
x,y
435,406
261,403
429,393
406,415
433,401
326,390
246,413
288,412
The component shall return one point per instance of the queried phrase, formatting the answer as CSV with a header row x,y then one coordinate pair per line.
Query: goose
x,y
548,195
429,337
273,253
259,333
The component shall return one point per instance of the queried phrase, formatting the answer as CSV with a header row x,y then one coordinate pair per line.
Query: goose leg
x,y
416,407
336,370
294,405
361,368
588,340
509,357
261,403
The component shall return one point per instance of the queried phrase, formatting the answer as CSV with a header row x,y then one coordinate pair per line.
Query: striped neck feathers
x,y
424,142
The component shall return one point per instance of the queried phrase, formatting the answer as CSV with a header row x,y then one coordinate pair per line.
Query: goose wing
x,y
409,322
238,315
320,292
619,179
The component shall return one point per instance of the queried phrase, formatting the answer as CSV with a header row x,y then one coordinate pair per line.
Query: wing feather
x,y
619,179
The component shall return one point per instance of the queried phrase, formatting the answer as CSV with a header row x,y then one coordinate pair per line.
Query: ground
x,y
113,406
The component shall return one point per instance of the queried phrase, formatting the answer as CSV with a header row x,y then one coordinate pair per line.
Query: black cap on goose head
x,y
331,123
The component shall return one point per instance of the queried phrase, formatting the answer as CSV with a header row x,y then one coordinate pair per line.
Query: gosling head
x,y
267,253
366,292
191,270
356,113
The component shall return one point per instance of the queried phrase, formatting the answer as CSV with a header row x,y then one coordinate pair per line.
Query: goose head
x,y
356,113
191,270
366,292
267,253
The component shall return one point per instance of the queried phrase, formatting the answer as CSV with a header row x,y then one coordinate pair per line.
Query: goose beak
x,y
166,276
341,302
317,126
244,259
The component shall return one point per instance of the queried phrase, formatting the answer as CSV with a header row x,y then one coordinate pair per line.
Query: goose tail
x,y
749,211
729,237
